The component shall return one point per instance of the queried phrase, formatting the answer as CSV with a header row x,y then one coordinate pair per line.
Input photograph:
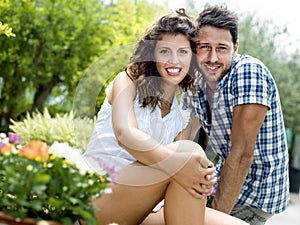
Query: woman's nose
x,y
173,59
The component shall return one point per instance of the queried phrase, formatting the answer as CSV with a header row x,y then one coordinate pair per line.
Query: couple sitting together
x,y
164,177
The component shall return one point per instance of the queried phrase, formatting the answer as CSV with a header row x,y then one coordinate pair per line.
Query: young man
x,y
238,106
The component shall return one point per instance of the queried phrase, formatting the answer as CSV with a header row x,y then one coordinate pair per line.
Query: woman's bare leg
x,y
155,218
214,217
132,204
181,208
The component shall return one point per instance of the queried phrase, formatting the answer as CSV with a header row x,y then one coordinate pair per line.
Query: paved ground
x,y
291,216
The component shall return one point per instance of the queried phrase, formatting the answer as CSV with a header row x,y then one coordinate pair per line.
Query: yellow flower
x,y
5,29
101,178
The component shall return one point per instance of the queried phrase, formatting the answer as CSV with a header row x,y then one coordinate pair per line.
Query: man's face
x,y
215,52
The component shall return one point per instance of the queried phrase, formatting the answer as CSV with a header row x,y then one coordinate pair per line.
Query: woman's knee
x,y
185,146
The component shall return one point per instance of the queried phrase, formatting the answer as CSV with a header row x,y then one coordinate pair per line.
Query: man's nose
x,y
213,56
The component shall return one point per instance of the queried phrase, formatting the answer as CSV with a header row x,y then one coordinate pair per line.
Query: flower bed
x,y
36,182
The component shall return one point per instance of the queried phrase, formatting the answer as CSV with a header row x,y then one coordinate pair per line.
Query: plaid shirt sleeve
x,y
251,84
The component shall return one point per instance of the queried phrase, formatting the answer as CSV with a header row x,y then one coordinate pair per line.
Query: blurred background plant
x,y
55,43
60,128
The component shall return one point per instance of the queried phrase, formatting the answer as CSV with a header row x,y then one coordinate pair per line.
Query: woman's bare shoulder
x,y
123,77
122,83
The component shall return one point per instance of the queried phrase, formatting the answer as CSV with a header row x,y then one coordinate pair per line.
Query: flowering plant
x,y
39,181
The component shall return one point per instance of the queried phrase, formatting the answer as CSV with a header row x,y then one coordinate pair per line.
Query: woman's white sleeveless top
x,y
104,145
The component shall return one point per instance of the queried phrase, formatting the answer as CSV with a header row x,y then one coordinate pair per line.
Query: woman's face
x,y
173,55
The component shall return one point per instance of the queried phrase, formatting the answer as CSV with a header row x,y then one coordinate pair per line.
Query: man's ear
x,y
235,48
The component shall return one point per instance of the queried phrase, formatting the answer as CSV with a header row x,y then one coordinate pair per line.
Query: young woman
x,y
138,132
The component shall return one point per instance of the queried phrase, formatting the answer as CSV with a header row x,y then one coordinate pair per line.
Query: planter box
x,y
9,220
294,175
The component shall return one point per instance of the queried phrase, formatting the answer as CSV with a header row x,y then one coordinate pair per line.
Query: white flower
x,y
2,135
3,138
72,155
60,149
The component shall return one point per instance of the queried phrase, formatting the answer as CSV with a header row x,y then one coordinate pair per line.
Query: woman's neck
x,y
167,99
165,107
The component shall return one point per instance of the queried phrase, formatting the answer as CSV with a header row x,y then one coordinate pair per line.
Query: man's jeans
x,y
253,216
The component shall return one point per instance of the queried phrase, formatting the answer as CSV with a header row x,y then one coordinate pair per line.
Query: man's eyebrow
x,y
198,43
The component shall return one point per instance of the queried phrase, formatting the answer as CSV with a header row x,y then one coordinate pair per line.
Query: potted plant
x,y
42,174
38,185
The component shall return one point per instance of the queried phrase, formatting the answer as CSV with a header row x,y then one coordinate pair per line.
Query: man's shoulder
x,y
247,64
243,60
246,59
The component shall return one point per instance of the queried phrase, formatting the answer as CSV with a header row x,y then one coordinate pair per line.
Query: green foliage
x,y
288,83
55,42
90,91
259,38
62,128
50,190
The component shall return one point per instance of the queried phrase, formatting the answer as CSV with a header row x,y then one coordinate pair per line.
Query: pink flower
x,y
2,144
214,191
110,170
14,138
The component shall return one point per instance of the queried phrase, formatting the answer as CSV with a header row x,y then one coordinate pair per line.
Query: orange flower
x,y
36,149
7,149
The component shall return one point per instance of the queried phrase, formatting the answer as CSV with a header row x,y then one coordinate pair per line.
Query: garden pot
x,y
294,175
9,220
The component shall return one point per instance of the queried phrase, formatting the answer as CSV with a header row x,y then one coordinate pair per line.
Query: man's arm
x,y
190,131
246,122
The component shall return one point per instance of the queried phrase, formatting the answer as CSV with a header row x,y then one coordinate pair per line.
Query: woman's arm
x,y
144,148
183,161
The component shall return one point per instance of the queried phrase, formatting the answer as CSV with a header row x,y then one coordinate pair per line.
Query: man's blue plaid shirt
x,y
248,81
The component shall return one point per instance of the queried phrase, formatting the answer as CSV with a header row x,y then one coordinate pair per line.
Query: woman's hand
x,y
189,166
197,179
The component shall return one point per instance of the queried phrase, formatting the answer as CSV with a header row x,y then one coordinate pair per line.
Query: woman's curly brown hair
x,y
142,67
